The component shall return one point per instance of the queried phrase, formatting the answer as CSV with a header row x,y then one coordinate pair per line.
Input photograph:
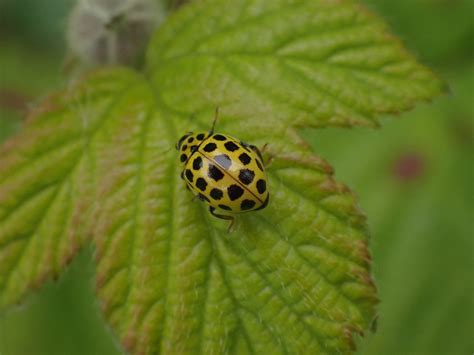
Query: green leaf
x,y
169,276
317,63
47,183
450,29
95,164
416,219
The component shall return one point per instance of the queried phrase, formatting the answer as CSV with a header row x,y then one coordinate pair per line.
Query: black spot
x,y
231,146
246,176
215,173
247,204
259,165
234,192
178,145
224,207
183,158
194,148
245,158
189,175
184,147
216,194
210,147
201,184
203,198
223,160
261,186
190,140
200,136
182,175
197,163
219,137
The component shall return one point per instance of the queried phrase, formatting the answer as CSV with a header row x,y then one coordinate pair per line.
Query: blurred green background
x,y
414,178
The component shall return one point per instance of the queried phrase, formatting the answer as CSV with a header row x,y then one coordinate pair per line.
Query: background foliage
x,y
414,180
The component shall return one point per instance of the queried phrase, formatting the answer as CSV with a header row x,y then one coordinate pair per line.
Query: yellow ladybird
x,y
224,172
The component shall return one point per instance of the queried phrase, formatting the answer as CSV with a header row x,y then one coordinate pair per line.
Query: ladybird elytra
x,y
224,172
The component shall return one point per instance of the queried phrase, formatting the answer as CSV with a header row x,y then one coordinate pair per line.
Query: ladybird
x,y
224,172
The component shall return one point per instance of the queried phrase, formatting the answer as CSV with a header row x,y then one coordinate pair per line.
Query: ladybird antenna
x,y
216,116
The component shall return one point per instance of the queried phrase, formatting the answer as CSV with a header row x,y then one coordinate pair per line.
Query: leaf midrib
x,y
266,94
282,299
137,194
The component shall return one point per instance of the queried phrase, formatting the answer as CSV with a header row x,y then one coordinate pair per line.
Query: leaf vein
x,y
315,267
285,302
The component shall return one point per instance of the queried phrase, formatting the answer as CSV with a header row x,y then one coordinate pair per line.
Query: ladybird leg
x,y
223,216
188,187
201,197
269,161
259,153
231,225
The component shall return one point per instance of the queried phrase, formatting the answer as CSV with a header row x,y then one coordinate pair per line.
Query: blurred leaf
x,y
41,23
173,4
422,225
28,76
9,124
61,319
26,71
445,34
94,163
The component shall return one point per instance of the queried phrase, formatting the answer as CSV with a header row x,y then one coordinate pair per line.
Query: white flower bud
x,y
105,32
